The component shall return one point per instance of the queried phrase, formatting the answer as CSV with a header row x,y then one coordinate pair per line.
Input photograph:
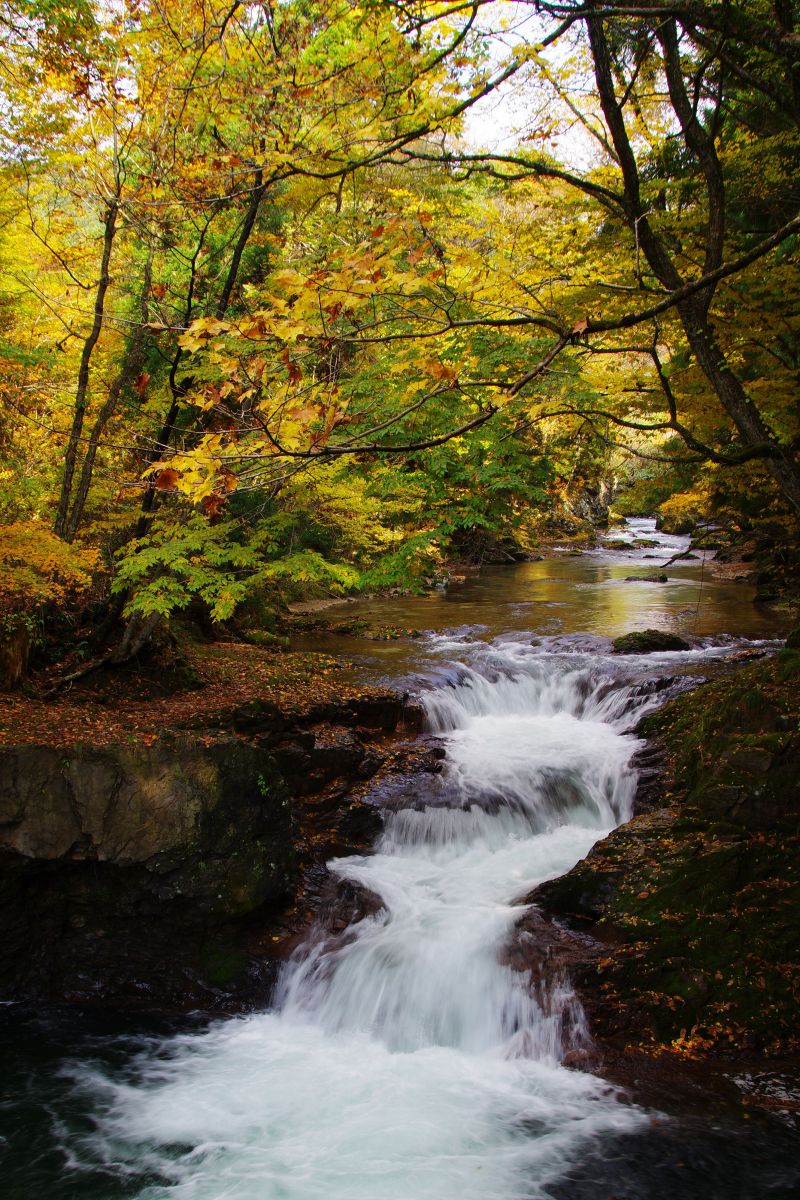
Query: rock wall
x,y
211,823
174,875
121,866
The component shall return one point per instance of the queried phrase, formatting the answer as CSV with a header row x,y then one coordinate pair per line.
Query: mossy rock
x,y
265,638
697,902
222,966
649,641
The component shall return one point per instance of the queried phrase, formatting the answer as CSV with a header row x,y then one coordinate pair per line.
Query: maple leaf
x,y
212,504
439,370
166,478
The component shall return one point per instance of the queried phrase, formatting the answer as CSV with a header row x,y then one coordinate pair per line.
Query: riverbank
x,y
165,849
200,687
693,907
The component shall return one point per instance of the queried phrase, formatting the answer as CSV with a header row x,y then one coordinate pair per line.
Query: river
x,y
403,1060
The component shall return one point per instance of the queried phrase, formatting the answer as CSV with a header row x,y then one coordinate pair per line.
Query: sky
x,y
517,112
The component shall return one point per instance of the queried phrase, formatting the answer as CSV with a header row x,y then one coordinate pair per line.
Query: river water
x,y
404,1060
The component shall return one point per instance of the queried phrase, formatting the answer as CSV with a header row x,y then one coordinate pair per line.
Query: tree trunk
x,y
137,634
82,390
137,631
693,312
131,367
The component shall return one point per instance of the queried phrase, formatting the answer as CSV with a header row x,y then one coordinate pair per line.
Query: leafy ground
x,y
135,705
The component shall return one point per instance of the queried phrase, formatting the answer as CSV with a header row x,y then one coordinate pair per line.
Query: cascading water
x,y
404,1059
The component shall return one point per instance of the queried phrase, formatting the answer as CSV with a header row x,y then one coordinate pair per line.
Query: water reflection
x,y
563,594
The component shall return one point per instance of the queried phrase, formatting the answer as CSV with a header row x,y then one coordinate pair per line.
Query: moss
x,y
713,943
789,664
265,638
648,641
701,899
222,966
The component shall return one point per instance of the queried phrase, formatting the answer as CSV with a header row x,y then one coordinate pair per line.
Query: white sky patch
x,y
523,113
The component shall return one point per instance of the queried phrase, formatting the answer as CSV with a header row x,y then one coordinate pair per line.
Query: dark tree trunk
x,y
693,312
82,390
132,366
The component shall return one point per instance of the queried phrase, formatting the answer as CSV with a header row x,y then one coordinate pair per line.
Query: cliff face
x,y
111,857
210,823
175,875
693,907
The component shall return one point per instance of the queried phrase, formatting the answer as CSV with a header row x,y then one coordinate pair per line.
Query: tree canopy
x,y
277,312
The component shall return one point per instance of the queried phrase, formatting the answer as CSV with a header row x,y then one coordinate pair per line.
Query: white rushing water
x,y
405,1060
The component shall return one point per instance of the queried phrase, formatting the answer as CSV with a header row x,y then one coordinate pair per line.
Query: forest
x,y
399,575
312,299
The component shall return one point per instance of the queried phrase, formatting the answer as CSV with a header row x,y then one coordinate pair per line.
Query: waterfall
x,y
403,1058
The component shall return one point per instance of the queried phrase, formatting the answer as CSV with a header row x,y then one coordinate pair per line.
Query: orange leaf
x,y
166,479
212,504
440,370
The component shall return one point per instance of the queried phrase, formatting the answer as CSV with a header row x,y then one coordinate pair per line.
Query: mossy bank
x,y
693,907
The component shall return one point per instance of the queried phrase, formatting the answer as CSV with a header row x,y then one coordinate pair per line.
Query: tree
x,y
254,276
693,121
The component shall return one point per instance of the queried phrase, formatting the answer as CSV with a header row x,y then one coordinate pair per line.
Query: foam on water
x,y
406,1060
268,1107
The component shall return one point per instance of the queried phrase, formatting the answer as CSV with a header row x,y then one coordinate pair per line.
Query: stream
x,y
403,1059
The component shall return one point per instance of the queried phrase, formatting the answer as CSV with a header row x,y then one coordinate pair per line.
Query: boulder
x,y
648,641
125,870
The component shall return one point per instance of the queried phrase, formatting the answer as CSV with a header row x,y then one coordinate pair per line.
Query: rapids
x,y
403,1059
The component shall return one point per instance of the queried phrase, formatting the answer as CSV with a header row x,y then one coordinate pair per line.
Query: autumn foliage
x,y
274,318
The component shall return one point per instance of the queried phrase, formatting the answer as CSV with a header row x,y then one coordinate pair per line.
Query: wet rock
x,y
412,717
344,902
650,763
579,1060
179,807
309,762
258,716
174,876
647,579
678,525
648,641
693,905
121,867
377,712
